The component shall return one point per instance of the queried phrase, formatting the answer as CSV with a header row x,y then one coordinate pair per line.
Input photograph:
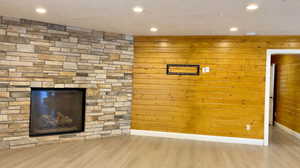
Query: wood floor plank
x,y
150,152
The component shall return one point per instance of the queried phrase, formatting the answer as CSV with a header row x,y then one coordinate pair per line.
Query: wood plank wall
x,y
288,90
220,102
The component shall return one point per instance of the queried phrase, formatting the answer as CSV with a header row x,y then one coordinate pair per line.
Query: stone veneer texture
x,y
38,54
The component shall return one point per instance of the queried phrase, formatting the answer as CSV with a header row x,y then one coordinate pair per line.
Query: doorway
x,y
269,93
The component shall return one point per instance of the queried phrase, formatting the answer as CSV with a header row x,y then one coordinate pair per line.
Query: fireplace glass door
x,y
56,111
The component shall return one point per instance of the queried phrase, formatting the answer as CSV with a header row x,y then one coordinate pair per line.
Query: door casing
x,y
271,52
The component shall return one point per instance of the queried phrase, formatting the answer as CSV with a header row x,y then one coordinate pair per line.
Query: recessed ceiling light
x,y
41,10
234,29
153,29
252,7
138,9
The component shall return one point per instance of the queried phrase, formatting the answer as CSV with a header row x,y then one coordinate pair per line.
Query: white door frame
x,y
271,52
272,92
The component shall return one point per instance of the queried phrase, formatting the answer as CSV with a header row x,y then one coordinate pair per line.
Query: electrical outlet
x,y
205,69
248,127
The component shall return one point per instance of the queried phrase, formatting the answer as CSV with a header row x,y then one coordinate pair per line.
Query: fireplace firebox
x,y
57,111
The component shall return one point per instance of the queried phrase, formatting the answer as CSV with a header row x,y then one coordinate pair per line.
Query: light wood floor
x,y
148,152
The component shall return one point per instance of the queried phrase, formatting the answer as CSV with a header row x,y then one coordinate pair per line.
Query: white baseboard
x,y
288,130
197,137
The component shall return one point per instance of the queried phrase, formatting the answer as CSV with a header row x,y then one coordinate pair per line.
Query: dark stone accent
x,y
123,37
52,67
35,29
86,40
105,58
34,75
110,127
97,36
4,85
104,134
2,99
121,48
128,75
32,22
125,59
63,80
56,27
98,68
122,108
78,29
115,77
19,94
81,51
96,53
52,38
85,67
111,36
3,26
82,74
14,39
10,20
2,57
22,86
37,64
85,36
91,103
81,34
72,59
122,117
4,73
42,50
67,135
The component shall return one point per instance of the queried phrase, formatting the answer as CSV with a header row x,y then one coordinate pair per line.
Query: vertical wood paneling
x,y
221,102
288,90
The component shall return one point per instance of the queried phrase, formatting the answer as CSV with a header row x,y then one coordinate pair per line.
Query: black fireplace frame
x,y
63,132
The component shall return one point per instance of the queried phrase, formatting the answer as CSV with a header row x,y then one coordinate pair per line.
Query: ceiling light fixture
x,y
252,7
41,10
138,9
153,29
234,29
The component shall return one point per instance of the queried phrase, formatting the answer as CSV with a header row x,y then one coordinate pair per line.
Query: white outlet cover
x,y
205,69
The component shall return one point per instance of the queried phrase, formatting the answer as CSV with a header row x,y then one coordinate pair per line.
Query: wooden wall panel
x,y
288,90
220,102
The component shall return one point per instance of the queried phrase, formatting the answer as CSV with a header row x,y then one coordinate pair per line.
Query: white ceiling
x,y
172,17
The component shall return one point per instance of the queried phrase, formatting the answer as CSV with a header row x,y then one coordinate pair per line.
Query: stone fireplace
x,y
56,111
41,64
